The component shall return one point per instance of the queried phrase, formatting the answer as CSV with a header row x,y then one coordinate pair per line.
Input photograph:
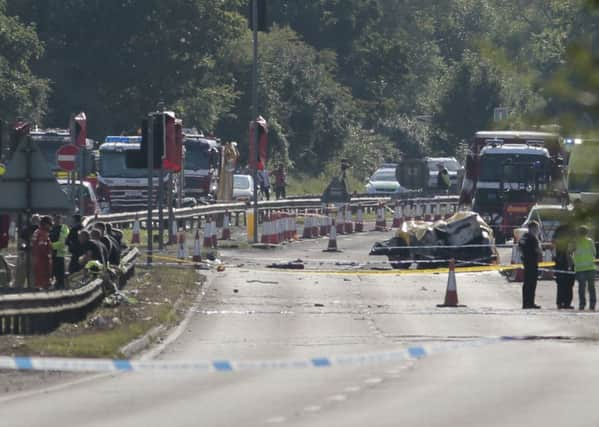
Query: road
x,y
252,313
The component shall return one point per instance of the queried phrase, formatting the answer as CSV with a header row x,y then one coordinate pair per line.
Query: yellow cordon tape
x,y
399,272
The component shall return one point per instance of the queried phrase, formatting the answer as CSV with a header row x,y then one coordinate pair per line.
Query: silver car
x,y
243,188
383,181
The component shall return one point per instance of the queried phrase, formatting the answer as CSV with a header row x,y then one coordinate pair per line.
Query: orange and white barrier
x,y
397,215
340,222
359,220
332,244
381,222
349,225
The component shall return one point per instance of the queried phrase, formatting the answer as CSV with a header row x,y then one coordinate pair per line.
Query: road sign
x,y
66,157
30,183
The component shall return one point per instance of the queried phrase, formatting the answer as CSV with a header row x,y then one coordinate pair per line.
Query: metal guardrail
x,y
41,312
240,208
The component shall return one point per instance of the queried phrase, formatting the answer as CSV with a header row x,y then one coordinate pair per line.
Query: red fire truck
x,y
507,172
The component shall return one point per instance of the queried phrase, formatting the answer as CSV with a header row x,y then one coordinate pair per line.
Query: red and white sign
x,y
66,157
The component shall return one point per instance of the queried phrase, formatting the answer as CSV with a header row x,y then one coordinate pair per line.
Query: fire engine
x,y
121,188
202,165
507,172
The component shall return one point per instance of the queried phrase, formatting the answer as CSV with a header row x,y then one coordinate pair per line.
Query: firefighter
x,y
41,254
530,249
58,237
584,264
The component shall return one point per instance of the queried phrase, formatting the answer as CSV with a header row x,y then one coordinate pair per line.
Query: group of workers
x,y
280,181
50,238
575,255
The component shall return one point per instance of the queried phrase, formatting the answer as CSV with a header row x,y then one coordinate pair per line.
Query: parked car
x,y
85,190
243,188
384,182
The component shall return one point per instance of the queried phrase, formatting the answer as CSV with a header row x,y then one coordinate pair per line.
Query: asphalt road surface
x,y
252,313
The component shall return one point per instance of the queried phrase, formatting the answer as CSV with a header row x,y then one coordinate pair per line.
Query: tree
x,y
21,92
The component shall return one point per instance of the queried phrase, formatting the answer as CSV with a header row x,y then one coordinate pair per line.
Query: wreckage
x,y
465,237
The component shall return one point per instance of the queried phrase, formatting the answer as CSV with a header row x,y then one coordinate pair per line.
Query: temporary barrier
x,y
349,225
339,222
359,220
381,222
397,215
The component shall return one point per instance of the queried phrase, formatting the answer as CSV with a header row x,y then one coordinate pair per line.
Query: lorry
x,y
50,140
507,172
122,188
202,165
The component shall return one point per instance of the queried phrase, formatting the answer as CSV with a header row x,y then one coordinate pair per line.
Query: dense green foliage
x,y
369,80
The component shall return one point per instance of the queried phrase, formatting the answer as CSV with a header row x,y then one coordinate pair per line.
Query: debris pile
x,y
464,237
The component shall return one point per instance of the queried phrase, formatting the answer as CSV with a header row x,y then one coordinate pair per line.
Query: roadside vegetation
x,y
367,80
154,297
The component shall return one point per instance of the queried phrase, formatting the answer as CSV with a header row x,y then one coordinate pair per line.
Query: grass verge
x,y
152,296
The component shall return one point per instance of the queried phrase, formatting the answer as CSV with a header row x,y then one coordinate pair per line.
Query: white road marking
x,y
276,420
373,380
312,408
352,389
337,398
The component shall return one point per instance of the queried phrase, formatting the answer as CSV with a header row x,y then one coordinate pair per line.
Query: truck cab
x,y
513,177
201,166
121,188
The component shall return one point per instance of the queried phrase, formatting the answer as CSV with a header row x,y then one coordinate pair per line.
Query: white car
x,y
90,201
384,182
243,188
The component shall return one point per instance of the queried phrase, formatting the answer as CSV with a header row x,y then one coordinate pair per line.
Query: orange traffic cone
x,y
451,294
135,238
197,250
332,245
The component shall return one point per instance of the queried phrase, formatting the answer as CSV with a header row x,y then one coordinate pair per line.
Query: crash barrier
x,y
40,312
192,218
412,353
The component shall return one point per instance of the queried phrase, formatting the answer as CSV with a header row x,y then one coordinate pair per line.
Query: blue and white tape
x,y
207,366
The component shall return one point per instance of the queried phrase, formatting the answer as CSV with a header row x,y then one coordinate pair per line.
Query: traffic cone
x,y
359,220
226,233
332,245
451,293
197,251
135,237
182,250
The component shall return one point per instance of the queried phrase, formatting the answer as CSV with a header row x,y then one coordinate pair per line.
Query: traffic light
x,y
138,159
263,21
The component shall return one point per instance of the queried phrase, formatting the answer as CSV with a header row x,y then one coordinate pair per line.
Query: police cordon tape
x,y
226,365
